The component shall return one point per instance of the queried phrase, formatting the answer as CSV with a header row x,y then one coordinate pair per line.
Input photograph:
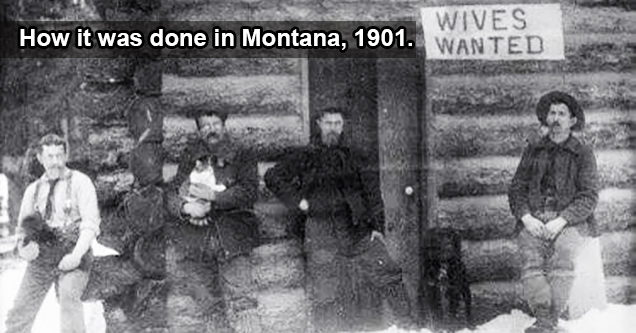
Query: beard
x,y
330,139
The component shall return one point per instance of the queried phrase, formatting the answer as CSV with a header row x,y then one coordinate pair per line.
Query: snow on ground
x,y
615,318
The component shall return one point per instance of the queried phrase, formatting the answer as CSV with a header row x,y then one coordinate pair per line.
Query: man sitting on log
x,y
212,197
67,202
348,265
553,196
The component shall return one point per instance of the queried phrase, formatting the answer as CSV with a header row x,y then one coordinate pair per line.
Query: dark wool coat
x,y
348,274
235,226
576,181
334,180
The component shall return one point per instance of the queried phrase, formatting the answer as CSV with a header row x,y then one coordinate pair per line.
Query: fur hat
x,y
558,97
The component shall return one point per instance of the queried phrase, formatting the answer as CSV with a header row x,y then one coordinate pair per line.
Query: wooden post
x,y
303,101
403,166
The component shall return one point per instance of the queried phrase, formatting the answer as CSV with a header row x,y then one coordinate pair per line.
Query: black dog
x,y
445,275
52,247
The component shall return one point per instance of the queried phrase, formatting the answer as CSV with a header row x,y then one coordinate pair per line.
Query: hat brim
x,y
558,97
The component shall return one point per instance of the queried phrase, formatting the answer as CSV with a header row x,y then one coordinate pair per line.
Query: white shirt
x,y
80,208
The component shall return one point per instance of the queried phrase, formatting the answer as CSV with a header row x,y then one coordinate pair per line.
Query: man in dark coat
x,y
553,196
347,261
211,198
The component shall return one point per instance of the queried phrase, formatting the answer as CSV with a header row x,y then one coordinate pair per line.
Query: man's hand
x,y
202,191
534,226
197,209
29,251
303,205
377,235
69,262
554,227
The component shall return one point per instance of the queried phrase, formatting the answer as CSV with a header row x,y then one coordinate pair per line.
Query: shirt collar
x,y
65,175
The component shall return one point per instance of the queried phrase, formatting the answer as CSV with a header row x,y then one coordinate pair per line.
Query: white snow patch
x,y
615,318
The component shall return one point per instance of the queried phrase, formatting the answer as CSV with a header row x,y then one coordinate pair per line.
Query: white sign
x,y
494,32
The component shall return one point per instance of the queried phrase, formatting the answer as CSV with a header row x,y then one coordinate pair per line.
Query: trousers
x,y
36,283
547,272
348,281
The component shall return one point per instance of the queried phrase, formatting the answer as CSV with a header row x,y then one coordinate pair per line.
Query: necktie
x,y
49,199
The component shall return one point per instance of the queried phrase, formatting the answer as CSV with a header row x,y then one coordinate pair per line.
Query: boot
x,y
537,293
560,287
545,321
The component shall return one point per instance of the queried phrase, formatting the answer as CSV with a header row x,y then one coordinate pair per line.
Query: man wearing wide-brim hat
x,y
553,196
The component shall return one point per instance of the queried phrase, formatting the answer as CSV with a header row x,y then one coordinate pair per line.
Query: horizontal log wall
x,y
518,94
488,217
492,174
479,135
254,94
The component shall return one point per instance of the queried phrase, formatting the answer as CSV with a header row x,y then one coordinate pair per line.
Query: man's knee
x,y
566,246
536,290
562,266
71,287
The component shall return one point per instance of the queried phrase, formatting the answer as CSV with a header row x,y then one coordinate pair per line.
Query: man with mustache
x,y
67,202
347,261
553,196
211,198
